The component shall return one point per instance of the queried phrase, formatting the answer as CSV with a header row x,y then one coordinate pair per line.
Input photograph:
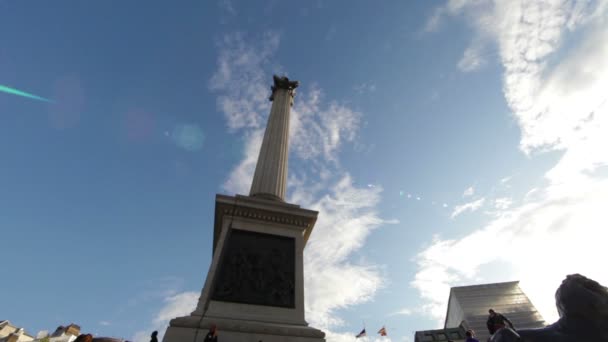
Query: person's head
x,y
154,333
470,333
213,327
492,312
579,296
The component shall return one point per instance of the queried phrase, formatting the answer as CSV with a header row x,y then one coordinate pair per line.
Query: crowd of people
x,y
210,337
496,321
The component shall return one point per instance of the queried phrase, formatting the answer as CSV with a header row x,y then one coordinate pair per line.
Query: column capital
x,y
283,83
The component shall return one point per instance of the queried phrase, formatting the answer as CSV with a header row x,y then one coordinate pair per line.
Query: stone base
x,y
194,329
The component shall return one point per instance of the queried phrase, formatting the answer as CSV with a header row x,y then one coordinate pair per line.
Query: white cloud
x,y
402,312
318,130
471,60
365,88
227,6
470,191
539,242
348,215
559,102
502,203
181,304
470,206
239,181
104,323
432,23
240,76
178,305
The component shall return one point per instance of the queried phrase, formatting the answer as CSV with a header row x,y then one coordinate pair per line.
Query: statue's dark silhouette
x,y
582,305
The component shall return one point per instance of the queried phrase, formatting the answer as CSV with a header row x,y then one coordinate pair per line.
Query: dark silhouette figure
x,y
582,305
497,321
84,338
212,334
153,337
471,336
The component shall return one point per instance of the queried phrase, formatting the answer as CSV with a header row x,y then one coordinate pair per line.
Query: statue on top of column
x,y
283,83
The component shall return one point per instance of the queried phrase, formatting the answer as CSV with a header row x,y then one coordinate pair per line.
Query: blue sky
x,y
444,143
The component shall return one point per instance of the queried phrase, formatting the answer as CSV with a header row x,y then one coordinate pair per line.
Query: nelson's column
x,y
254,290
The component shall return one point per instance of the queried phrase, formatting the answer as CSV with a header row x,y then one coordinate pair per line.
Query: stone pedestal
x,y
255,286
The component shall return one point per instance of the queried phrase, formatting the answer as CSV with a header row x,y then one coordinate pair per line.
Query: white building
x,y
468,309
11,333
62,334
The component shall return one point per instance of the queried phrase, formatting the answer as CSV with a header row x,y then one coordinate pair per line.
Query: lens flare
x,y
17,92
189,137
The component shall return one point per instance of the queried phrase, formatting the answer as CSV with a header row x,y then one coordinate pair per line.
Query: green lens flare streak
x,y
10,90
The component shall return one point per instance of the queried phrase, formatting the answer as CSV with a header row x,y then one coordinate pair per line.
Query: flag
x,y
361,334
382,331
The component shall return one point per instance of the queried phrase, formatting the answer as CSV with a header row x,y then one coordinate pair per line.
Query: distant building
x,y
468,309
447,334
72,330
11,333
62,334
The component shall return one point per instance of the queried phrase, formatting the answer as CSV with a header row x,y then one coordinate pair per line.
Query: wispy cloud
x,y
403,312
471,60
432,24
318,129
242,79
365,88
470,206
347,214
502,203
104,323
227,7
470,191
558,228
180,304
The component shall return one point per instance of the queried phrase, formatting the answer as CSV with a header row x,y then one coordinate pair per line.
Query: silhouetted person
x,y
497,321
471,336
212,334
84,338
582,304
153,337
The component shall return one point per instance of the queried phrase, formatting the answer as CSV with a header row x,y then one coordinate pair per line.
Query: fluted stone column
x,y
254,290
270,177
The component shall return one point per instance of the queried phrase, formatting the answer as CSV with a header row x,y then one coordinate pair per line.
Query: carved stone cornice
x,y
258,209
266,216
